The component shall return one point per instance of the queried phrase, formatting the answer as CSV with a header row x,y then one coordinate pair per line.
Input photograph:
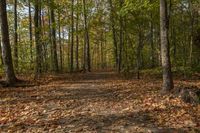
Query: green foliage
x,y
137,16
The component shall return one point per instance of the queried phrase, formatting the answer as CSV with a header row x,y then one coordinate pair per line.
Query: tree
x,y
72,37
166,64
87,61
6,49
53,36
77,36
112,21
15,35
60,41
37,19
30,30
120,40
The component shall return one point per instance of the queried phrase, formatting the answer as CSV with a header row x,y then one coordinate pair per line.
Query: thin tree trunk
x,y
60,42
15,36
139,49
63,50
68,48
53,35
1,49
87,41
191,32
113,32
37,17
152,40
44,45
166,64
77,40
30,30
72,37
49,36
121,40
6,49
152,46
101,51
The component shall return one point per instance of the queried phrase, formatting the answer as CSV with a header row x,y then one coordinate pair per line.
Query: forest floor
x,y
96,102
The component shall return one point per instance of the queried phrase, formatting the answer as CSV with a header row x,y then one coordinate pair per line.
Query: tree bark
x,y
191,32
139,49
87,65
72,38
6,49
113,32
60,42
121,40
152,40
30,30
77,40
15,36
166,64
1,50
37,17
53,35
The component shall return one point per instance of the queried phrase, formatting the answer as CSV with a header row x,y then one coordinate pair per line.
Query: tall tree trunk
x,y
113,32
44,45
50,35
152,45
152,39
87,40
6,49
191,31
77,40
1,50
63,48
37,17
102,51
166,64
68,48
139,47
121,40
53,35
60,42
30,30
72,37
15,36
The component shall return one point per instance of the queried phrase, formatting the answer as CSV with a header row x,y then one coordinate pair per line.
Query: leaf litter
x,y
95,102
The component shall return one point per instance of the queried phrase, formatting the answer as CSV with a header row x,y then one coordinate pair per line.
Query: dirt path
x,y
96,102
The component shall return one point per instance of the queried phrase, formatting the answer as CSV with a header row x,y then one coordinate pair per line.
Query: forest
x,y
100,66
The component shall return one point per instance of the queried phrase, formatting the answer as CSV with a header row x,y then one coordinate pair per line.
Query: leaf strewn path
x,y
95,102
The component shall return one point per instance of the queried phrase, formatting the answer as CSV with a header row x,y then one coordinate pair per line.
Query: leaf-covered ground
x,y
95,102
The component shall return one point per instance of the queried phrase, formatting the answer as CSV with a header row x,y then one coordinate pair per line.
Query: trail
x,y
94,102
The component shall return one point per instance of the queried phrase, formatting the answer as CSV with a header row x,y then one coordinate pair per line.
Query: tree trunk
x,y
87,41
1,51
101,49
166,64
30,30
60,42
72,38
68,48
113,32
37,17
53,35
77,40
121,40
15,36
6,49
152,40
191,32
139,49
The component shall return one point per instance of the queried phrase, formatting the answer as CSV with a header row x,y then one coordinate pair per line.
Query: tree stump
x,y
188,94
